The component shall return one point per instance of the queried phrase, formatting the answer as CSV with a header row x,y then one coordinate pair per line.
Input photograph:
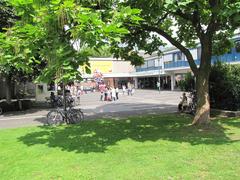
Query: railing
x,y
227,58
139,69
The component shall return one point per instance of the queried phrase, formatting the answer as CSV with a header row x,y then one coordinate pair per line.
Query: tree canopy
x,y
184,24
60,33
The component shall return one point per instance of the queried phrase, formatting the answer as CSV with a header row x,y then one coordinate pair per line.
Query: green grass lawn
x,y
143,147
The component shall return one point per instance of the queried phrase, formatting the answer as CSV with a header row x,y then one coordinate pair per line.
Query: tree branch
x,y
161,19
174,43
214,24
194,19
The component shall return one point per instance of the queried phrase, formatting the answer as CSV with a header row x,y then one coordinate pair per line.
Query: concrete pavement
x,y
142,102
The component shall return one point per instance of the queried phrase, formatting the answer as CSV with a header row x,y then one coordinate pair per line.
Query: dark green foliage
x,y
188,84
225,86
7,15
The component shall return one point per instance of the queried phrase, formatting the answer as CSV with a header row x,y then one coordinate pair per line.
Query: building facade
x,y
171,67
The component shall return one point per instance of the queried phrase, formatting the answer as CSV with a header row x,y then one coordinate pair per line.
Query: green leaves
x,y
56,36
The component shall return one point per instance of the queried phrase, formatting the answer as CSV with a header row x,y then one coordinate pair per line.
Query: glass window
x,y
157,62
151,63
144,65
177,56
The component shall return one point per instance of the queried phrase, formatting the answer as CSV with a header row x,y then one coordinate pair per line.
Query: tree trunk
x,y
203,104
8,89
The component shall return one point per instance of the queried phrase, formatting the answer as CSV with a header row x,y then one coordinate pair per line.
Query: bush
x,y
14,106
224,86
188,84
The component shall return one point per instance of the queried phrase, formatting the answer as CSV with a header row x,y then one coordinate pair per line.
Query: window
x,y
177,56
144,65
157,62
151,63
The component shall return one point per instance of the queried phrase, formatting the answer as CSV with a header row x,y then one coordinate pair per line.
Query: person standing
x,y
123,89
117,91
113,94
132,91
109,98
81,87
106,94
129,89
78,95
101,96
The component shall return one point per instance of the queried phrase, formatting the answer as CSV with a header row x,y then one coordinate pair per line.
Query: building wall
x,y
122,67
42,91
102,66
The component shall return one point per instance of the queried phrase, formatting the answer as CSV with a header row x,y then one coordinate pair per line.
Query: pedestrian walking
x,y
101,96
132,91
117,91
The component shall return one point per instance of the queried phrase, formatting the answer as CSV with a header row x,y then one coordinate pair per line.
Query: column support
x,y
172,82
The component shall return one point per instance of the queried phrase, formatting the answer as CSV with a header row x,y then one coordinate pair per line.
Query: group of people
x,y
130,89
109,94
112,93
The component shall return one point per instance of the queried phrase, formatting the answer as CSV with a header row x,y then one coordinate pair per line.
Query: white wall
x,y
122,67
41,94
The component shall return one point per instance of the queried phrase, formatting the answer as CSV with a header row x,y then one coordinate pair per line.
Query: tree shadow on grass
x,y
234,122
97,136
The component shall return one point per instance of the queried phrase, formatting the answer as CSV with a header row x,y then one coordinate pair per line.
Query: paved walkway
x,y
142,102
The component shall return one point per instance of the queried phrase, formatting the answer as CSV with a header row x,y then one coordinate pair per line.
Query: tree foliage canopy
x,y
183,23
60,33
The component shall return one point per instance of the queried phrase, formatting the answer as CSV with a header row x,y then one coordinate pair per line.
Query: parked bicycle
x,y
69,116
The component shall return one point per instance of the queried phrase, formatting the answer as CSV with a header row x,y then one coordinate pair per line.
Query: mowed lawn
x,y
141,147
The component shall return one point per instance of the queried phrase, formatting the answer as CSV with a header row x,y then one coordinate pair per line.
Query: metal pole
x,y
159,79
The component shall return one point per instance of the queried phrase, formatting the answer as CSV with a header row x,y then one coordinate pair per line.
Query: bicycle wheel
x,y
54,117
75,116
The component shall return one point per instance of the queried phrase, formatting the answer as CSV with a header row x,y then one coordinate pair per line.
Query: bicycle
x,y
69,116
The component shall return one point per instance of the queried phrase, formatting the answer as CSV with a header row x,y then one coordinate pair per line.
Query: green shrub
x,y
224,86
188,84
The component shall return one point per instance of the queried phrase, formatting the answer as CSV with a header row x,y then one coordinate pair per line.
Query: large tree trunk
x,y
203,105
202,116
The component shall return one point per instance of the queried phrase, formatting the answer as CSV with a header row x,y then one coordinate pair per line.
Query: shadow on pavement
x,y
105,111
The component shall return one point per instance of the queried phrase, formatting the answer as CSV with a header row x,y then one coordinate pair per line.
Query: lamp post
x,y
159,79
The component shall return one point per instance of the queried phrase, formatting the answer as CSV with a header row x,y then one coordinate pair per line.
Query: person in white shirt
x,y
109,98
123,89
113,90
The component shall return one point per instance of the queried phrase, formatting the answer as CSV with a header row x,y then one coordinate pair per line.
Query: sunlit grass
x,y
140,147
